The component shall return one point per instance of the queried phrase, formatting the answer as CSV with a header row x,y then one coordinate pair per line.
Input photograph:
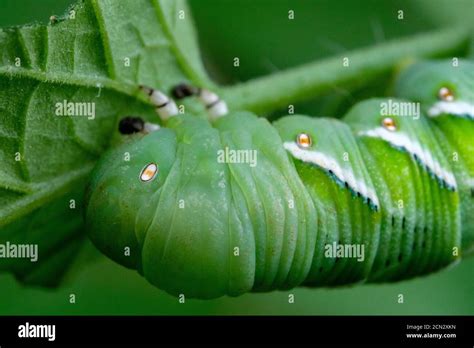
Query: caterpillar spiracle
x,y
394,190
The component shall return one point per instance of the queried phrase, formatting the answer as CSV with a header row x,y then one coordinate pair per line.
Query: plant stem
x,y
276,91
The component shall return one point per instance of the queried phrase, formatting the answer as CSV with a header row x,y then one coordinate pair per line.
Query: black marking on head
x,y
400,257
214,103
393,220
472,191
130,125
163,105
387,263
149,91
184,90
403,222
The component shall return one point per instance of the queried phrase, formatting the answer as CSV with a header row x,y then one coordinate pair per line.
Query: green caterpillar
x,y
376,197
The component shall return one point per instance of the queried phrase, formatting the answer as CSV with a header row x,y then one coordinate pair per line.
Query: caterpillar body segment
x,y
421,210
282,214
241,205
343,192
443,89
447,97
235,205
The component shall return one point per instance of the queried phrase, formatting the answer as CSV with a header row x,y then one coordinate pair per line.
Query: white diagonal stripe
x,y
457,108
330,164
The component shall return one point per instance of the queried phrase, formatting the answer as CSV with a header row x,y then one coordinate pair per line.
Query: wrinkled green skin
x,y
458,133
190,249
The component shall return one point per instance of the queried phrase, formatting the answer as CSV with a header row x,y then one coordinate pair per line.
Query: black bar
x,y
289,330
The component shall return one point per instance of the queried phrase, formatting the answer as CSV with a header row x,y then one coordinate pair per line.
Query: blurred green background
x,y
259,33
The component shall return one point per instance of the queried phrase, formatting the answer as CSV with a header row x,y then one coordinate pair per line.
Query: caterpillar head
x,y
121,190
160,205
441,87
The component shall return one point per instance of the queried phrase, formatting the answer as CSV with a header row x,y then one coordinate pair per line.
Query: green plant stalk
x,y
277,91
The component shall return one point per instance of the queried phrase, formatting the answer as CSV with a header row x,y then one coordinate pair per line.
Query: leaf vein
x,y
105,39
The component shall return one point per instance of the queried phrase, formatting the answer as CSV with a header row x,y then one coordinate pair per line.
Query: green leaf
x,y
82,58
99,53
56,230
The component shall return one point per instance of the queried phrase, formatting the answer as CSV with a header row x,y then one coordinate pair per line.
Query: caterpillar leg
x,y
165,107
132,124
215,106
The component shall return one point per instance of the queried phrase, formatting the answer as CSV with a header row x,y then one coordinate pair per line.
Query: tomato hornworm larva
x,y
385,185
